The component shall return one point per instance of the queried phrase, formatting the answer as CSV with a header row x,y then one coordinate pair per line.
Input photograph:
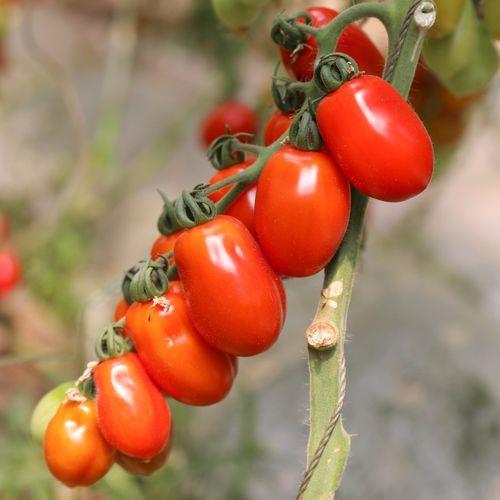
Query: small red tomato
x,y
278,124
175,355
377,139
75,451
353,42
132,413
165,244
243,207
302,210
120,310
233,114
233,297
10,271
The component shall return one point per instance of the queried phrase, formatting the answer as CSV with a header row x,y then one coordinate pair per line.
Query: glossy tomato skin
x,y
353,42
243,207
232,293
302,210
377,139
276,126
233,114
120,310
175,355
132,413
74,448
10,271
164,244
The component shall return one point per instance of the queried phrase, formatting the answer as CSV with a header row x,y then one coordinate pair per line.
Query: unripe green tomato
x,y
479,72
236,14
447,16
447,56
491,11
46,408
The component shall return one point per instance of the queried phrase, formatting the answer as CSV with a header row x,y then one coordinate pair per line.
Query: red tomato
x,y
353,42
10,271
74,449
302,210
276,126
175,355
165,244
132,413
232,293
233,114
376,139
121,309
243,207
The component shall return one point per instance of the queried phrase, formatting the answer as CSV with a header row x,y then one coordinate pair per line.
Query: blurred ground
x,y
423,386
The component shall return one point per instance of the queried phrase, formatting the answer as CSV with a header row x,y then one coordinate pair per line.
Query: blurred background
x,y
100,104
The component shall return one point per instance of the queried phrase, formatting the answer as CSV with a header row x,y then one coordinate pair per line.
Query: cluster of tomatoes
x,y
226,299
10,265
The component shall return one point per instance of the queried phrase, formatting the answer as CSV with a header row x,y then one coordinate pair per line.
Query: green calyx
x,y
86,387
110,344
194,207
304,133
147,279
286,95
286,32
167,223
222,153
332,70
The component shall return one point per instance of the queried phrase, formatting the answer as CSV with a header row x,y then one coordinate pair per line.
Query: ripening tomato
x,y
75,450
353,42
164,244
377,139
277,125
243,207
233,295
302,210
235,115
120,310
10,271
175,355
132,412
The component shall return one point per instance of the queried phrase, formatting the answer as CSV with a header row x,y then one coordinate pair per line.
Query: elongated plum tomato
x,y
10,271
235,115
175,355
353,42
302,210
276,126
75,450
164,244
233,295
377,139
132,412
244,206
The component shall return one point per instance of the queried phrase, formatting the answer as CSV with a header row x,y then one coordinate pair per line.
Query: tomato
x,y
277,125
165,244
377,139
132,412
446,127
46,408
447,17
233,297
302,211
243,207
10,271
233,114
75,450
353,41
235,14
121,309
175,355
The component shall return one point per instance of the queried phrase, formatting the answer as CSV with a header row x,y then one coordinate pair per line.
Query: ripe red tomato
x,y
121,309
232,293
10,271
302,210
243,207
353,42
165,244
175,355
132,413
74,448
233,114
376,139
276,126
